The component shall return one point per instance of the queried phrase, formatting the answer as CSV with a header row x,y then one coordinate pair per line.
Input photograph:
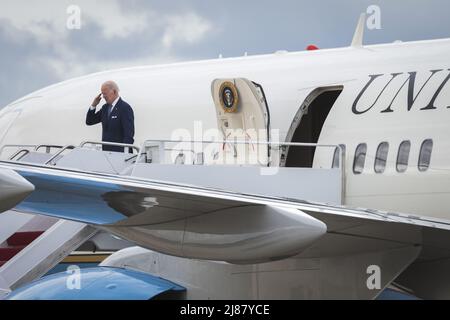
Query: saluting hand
x,y
97,100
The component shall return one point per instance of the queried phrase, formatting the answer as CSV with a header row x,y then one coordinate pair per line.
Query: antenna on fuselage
x,y
358,36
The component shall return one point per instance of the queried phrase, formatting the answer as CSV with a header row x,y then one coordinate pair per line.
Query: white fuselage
x,y
175,97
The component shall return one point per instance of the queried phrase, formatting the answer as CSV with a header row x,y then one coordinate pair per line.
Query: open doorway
x,y
307,126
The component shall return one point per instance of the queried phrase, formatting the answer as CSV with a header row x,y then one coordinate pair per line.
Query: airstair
x,y
31,245
28,255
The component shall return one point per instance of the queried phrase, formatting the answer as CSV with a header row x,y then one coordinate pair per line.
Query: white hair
x,y
112,85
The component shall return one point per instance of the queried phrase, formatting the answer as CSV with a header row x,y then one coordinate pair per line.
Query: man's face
x,y
108,94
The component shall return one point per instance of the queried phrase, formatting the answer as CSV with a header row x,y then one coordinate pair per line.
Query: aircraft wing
x,y
99,199
278,227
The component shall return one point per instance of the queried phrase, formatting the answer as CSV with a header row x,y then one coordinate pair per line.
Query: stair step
x,y
23,238
9,252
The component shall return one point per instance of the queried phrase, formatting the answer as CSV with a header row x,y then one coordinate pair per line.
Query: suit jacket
x,y
118,127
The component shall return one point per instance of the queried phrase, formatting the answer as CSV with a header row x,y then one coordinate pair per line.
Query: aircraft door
x,y
242,115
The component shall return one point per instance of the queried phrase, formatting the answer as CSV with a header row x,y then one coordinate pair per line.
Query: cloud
x,y
46,21
20,22
63,68
113,20
187,28
113,34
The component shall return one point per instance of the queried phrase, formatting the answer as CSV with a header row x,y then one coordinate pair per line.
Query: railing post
x,y
343,175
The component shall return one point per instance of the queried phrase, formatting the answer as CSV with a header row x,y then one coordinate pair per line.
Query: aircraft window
x,y
425,154
337,156
381,157
360,158
403,155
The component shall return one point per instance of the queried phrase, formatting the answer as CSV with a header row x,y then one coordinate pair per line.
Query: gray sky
x,y
37,48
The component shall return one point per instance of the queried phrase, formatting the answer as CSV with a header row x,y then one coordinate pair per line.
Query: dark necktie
x,y
110,107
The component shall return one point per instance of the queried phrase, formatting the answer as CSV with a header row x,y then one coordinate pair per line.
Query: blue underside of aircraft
x,y
72,199
99,283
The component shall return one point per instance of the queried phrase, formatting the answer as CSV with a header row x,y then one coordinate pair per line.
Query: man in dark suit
x,y
116,116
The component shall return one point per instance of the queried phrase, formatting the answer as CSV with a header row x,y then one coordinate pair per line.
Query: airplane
x,y
320,174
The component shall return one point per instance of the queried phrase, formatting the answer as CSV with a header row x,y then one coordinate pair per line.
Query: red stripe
x,y
9,252
23,238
